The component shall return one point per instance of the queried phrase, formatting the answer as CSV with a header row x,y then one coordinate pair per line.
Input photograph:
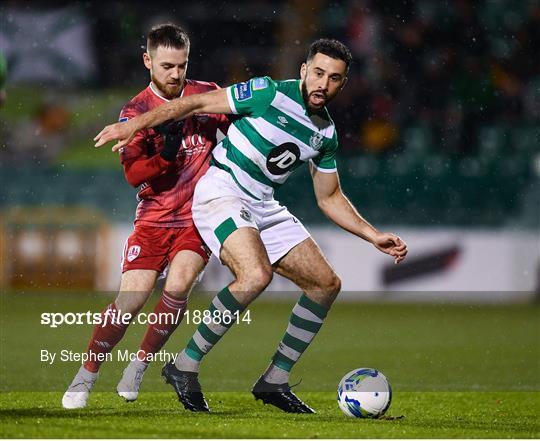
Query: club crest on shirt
x,y
123,119
133,252
316,141
246,215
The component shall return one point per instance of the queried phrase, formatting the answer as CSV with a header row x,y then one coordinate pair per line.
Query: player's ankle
x,y
276,375
184,362
88,373
138,364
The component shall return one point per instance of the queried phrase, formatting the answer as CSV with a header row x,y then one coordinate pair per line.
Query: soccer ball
x,y
364,393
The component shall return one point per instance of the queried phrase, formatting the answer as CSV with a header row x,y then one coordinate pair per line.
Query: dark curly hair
x,y
333,48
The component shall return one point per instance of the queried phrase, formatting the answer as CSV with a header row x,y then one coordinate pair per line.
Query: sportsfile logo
x,y
116,317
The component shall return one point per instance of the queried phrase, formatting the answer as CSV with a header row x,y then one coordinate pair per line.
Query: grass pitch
x,y
457,372
237,415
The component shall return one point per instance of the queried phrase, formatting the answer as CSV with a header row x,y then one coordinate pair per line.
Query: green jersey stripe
x,y
275,135
279,135
293,127
244,126
294,109
254,188
228,170
257,150
246,164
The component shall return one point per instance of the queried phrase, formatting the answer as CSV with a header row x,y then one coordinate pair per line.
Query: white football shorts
x,y
220,207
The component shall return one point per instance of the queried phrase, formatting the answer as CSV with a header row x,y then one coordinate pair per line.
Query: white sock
x,y
276,375
185,363
86,374
138,365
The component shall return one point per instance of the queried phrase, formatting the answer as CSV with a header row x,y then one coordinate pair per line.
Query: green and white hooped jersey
x,y
275,136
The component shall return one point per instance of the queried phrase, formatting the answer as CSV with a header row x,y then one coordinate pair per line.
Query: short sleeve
x,y
252,97
326,160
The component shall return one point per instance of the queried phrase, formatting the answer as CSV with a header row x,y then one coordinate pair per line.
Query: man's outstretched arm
x,y
179,108
335,205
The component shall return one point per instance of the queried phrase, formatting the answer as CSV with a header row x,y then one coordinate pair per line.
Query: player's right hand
x,y
391,244
121,132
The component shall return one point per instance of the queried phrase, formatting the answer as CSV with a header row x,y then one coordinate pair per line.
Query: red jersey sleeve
x,y
139,165
137,147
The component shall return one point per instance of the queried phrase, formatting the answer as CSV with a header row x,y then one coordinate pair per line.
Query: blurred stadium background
x,y
439,128
440,141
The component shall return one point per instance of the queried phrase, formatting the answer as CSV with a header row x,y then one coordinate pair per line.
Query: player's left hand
x,y
123,132
391,244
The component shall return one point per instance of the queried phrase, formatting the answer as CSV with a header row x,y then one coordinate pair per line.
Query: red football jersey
x,y
166,191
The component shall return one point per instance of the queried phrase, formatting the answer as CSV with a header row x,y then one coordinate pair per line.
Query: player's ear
x,y
147,60
303,71
344,82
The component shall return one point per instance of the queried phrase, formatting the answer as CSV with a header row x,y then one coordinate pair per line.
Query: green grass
x,y
237,415
457,371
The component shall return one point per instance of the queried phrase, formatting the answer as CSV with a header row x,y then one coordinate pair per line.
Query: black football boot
x,y
279,395
187,387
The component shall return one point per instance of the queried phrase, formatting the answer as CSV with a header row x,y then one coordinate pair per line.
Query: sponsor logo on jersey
x,y
260,83
246,215
242,91
282,158
192,145
316,141
281,120
123,119
133,252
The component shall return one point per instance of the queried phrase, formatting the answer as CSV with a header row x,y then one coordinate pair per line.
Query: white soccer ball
x,y
364,393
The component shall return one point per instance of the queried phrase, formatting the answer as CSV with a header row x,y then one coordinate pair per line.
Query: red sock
x,y
104,338
168,315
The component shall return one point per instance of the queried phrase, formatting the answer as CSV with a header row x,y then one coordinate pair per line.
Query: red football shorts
x,y
153,248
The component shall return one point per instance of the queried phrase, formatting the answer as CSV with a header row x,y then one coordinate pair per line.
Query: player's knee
x,y
130,302
262,277
179,289
336,284
331,285
258,278
129,306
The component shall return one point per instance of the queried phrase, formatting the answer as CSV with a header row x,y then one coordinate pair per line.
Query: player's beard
x,y
306,95
169,91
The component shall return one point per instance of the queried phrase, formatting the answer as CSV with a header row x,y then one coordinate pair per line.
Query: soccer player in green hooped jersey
x,y
283,125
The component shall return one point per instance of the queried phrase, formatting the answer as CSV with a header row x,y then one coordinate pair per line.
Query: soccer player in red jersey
x,y
166,162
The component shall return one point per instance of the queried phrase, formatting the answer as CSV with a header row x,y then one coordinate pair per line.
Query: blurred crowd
x,y
448,67
442,70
